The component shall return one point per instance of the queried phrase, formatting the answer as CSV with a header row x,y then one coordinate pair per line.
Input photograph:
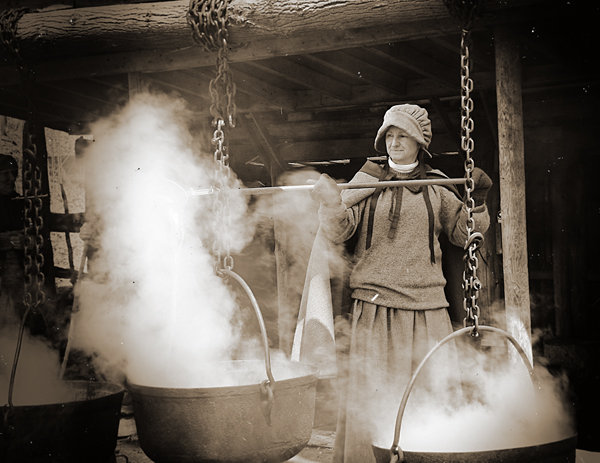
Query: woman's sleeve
x,y
340,224
453,217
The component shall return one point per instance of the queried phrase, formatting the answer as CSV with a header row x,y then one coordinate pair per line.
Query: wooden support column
x,y
512,187
560,243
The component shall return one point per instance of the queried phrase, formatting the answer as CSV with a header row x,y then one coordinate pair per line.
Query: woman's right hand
x,y
327,192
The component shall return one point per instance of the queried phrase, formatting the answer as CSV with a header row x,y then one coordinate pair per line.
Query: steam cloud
x,y
154,310
501,408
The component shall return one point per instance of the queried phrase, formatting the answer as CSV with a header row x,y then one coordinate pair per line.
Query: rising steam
x,y
501,407
153,309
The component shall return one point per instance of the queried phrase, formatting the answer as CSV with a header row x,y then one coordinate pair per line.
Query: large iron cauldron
x,y
83,429
231,424
562,451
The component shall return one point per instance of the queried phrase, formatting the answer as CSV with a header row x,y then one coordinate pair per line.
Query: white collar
x,y
403,168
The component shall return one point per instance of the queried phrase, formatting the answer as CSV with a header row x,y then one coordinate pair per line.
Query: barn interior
x,y
313,79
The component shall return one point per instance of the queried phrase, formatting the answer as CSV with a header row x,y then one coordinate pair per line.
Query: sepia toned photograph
x,y
308,231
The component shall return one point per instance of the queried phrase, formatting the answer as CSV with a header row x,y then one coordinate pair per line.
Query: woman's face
x,y
402,148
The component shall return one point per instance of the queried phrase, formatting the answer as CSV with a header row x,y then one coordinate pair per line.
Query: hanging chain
x,y
208,19
467,11
34,222
9,20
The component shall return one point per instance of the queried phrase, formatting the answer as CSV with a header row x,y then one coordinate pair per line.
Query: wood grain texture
x,y
512,187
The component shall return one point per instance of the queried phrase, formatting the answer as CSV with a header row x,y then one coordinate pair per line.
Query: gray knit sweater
x,y
398,272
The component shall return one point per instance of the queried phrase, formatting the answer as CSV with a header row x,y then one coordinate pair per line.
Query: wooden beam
x,y
183,82
416,61
271,95
478,54
147,37
328,150
422,89
301,75
345,148
163,25
14,104
70,223
353,63
137,84
264,147
512,190
449,126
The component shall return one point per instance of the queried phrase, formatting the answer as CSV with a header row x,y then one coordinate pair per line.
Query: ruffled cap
x,y
413,119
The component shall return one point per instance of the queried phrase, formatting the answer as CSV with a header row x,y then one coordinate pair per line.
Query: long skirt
x,y
386,347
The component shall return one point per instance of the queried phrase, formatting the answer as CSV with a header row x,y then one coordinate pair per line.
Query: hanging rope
x,y
467,11
208,19
34,296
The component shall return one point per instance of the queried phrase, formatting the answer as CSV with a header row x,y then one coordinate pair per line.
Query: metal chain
x,y
467,11
208,19
34,222
9,21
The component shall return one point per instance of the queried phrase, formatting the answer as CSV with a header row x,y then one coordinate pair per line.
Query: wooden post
x,y
560,244
512,188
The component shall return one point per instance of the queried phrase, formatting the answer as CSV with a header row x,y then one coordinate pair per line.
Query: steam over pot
x,y
560,451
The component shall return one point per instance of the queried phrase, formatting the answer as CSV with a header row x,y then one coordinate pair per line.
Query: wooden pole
x,y
512,187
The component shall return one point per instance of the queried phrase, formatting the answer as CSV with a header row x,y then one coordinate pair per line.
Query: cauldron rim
x,y
570,441
310,374
113,389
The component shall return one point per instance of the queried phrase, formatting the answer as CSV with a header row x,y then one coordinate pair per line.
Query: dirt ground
x,y
318,450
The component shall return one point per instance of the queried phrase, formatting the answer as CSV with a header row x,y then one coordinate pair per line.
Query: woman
x,y
399,307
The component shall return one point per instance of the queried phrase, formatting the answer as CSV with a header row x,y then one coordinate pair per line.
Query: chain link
x,y
34,222
9,21
208,19
467,10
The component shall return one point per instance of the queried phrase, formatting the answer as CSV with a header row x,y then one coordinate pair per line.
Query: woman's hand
x,y
327,192
483,183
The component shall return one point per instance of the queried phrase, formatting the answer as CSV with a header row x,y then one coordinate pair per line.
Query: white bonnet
x,y
411,118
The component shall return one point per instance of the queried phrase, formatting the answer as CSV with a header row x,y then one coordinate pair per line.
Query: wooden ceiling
x,y
313,77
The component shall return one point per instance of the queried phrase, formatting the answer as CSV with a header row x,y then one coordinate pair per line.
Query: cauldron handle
x,y
397,455
267,386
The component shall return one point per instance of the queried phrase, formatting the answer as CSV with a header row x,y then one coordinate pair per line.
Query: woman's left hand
x,y
483,183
